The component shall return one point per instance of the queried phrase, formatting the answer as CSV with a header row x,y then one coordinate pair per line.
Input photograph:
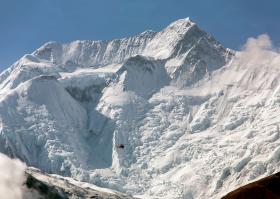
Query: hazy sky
x,y
26,24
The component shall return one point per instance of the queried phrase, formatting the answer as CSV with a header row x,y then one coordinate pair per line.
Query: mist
x,y
259,50
11,177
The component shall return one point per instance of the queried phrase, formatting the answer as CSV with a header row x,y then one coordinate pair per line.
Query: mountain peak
x,y
171,99
182,23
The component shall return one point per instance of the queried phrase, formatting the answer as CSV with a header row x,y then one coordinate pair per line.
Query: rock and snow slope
x,y
20,182
40,185
195,119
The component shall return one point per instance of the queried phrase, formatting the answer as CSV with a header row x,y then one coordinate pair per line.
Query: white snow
x,y
196,119
164,42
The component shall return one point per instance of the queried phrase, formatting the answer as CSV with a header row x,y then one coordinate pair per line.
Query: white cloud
x,y
258,51
11,177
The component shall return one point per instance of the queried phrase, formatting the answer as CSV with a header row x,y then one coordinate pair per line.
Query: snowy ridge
x,y
164,42
193,117
42,185
94,53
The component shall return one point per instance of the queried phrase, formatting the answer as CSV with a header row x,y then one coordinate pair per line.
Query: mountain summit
x,y
169,114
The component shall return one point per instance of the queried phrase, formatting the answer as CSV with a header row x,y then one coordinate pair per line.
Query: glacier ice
x,y
196,119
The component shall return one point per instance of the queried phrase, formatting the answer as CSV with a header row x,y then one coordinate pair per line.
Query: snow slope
x,y
195,119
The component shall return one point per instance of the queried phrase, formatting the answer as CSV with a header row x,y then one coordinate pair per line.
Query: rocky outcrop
x,y
266,188
40,185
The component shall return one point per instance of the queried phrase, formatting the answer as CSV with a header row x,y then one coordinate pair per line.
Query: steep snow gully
x,y
169,114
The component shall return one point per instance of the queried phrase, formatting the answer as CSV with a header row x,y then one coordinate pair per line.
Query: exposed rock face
x,y
266,188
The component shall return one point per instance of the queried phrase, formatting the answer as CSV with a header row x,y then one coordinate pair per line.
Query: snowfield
x,y
196,119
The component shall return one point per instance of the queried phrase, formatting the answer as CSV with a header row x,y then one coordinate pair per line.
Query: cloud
x,y
261,42
258,51
11,177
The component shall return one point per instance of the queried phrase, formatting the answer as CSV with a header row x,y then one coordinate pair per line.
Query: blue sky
x,y
26,24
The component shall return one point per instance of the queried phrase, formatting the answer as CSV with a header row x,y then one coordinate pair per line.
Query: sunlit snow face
x,y
173,135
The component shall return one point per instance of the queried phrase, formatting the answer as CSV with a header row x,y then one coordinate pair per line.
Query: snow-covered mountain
x,y
169,114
